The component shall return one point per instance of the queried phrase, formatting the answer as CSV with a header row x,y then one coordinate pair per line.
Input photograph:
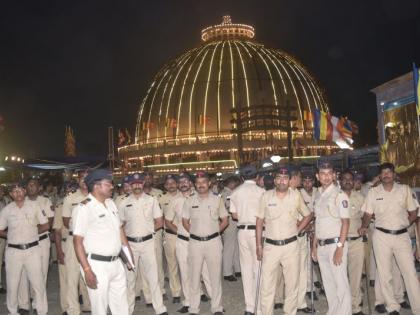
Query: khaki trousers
x,y
169,246
73,276
209,252
397,285
387,246
336,282
183,262
279,293
249,267
158,239
30,261
24,291
287,257
303,271
2,248
356,256
111,289
231,263
62,282
145,259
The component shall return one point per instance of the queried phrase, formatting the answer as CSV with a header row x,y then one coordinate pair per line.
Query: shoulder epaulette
x,y
86,201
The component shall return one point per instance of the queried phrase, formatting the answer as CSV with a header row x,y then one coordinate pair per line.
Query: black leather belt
x,y
246,227
43,237
328,241
140,239
170,231
103,258
365,238
301,234
352,238
184,238
393,232
71,233
23,246
281,242
204,238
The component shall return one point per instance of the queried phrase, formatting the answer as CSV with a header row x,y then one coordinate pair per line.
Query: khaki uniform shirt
x,y
45,204
99,225
390,207
22,223
119,199
309,198
165,201
331,205
245,201
157,193
204,214
69,204
58,220
281,215
356,201
139,214
174,213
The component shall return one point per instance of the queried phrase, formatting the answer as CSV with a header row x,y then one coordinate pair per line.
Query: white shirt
x,y
245,201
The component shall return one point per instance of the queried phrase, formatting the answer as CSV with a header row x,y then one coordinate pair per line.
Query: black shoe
x,y
405,305
176,299
380,308
371,283
306,310
183,310
394,313
204,298
317,285
248,313
164,297
278,306
308,295
230,278
218,313
22,311
164,313
359,313
65,313
3,291
193,314
238,275
138,298
149,305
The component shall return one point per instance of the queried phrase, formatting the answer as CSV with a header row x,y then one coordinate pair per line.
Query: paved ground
x,y
232,300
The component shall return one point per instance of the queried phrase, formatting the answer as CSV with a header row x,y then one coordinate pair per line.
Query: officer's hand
x,y
259,252
362,231
90,279
60,257
417,254
338,256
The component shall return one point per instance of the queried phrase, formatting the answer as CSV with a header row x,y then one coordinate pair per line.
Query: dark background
x,y
88,64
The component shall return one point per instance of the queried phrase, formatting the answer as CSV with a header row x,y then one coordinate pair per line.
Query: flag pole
x,y
416,96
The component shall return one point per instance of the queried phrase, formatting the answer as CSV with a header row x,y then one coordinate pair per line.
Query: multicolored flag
x,y
416,81
323,128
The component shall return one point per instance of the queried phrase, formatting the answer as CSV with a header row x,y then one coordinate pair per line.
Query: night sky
x,y
88,64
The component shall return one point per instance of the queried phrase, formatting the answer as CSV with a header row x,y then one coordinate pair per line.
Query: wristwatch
x,y
339,244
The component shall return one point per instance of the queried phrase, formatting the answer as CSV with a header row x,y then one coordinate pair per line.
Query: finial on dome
x,y
227,30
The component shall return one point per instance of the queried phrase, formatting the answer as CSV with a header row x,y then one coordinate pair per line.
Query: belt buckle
x,y
281,242
24,246
321,243
205,238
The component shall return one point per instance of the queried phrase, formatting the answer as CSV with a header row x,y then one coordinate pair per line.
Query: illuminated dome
x,y
190,101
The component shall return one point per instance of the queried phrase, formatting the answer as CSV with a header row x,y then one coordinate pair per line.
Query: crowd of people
x,y
289,235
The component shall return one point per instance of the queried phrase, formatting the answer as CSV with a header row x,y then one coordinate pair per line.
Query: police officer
x,y
356,251
173,221
61,234
98,238
156,193
23,220
200,217
32,195
244,203
231,266
169,243
395,209
73,274
126,187
141,217
329,245
279,209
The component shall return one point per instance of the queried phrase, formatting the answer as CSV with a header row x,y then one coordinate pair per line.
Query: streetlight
x,y
275,158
